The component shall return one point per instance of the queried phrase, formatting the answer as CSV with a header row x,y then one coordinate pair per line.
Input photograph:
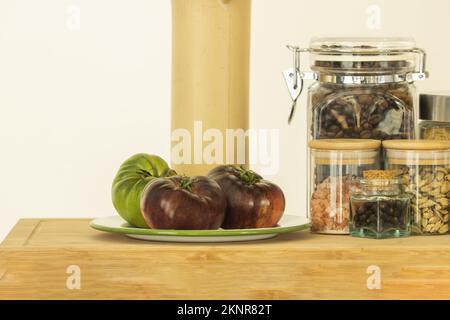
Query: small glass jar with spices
x,y
334,165
424,168
379,207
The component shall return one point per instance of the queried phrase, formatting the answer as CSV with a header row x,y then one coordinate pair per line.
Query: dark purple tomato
x,y
252,202
185,203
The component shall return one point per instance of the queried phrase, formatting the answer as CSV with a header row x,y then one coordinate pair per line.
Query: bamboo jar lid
x,y
345,151
345,144
417,152
410,145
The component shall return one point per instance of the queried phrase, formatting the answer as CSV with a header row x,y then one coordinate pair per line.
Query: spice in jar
x,y
430,193
423,166
381,215
330,205
379,207
436,132
434,116
334,165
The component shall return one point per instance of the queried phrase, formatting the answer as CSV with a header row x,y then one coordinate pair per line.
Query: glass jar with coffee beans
x,y
379,112
379,207
424,169
364,87
334,165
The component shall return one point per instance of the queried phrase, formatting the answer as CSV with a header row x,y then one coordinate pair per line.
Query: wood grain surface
x,y
36,254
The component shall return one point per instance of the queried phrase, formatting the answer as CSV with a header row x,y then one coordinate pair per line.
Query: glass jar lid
x,y
363,55
360,45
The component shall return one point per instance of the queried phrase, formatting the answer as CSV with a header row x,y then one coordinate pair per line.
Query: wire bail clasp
x,y
294,78
421,74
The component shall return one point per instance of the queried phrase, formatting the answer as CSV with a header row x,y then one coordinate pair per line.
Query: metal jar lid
x,y
435,107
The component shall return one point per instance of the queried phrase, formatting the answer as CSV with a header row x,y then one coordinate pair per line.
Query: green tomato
x,y
134,174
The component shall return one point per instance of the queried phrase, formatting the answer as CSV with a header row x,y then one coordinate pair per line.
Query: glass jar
x,y
364,87
334,165
379,209
424,168
434,116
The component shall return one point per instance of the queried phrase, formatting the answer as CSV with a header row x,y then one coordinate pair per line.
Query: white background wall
x,y
75,102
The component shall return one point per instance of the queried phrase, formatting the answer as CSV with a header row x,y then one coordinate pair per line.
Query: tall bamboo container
x,y
210,82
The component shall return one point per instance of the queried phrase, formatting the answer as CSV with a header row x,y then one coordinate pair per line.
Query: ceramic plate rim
x,y
99,224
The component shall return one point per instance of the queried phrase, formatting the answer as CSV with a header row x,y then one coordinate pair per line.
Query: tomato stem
x,y
249,177
186,183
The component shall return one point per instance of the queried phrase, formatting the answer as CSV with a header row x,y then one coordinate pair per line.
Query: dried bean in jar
x,y
381,216
367,112
429,187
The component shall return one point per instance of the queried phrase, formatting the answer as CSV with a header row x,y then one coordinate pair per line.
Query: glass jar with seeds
x,y
424,168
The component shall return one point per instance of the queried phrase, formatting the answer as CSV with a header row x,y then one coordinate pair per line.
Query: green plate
x,y
116,224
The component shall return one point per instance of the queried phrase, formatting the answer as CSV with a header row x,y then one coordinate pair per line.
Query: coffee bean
x,y
366,134
375,119
377,134
383,105
372,107
365,99
335,129
360,210
348,132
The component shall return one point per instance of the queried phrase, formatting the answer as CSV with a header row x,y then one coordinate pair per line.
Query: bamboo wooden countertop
x,y
35,256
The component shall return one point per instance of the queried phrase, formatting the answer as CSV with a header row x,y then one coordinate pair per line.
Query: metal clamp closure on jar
x,y
294,76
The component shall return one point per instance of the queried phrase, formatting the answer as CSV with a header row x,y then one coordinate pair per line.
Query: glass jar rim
x,y
363,56
362,45
379,182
